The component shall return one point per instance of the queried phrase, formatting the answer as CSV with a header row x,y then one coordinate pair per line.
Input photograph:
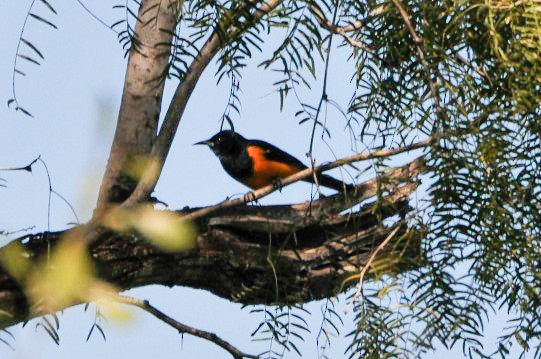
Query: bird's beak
x,y
206,142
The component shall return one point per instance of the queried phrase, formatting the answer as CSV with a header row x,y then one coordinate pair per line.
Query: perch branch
x,y
264,191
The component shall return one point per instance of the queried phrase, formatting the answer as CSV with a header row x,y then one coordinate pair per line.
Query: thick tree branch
x,y
183,328
283,254
141,99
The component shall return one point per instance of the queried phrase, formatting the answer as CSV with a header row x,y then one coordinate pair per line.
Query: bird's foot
x,y
249,197
277,184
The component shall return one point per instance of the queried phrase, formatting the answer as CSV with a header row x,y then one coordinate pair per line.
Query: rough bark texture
x,y
254,254
139,113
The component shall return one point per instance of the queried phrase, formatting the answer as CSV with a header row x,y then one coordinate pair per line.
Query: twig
x,y
323,91
7,233
340,30
418,40
183,328
307,172
368,264
479,70
371,260
419,43
27,168
95,17
15,70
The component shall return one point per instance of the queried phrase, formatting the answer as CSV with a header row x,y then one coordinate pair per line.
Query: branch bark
x,y
280,255
141,99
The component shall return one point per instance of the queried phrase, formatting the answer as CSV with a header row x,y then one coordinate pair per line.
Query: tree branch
x,y
183,328
403,13
340,30
264,191
141,99
313,247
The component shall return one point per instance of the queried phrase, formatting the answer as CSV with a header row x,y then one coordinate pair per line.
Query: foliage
x,y
466,73
282,328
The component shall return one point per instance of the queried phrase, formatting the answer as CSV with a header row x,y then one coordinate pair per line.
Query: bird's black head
x,y
225,143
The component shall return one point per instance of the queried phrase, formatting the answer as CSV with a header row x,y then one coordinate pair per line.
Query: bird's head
x,y
224,143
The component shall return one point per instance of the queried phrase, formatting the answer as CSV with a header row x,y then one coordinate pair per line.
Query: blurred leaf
x,y
15,260
63,280
165,229
162,228
137,167
47,22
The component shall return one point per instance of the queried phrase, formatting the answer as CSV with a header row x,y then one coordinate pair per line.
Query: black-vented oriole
x,y
257,163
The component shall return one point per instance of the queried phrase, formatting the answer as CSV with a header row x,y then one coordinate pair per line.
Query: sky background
x,y
74,96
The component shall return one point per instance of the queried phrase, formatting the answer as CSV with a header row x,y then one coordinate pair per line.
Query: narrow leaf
x,y
90,332
30,45
27,58
24,111
101,332
49,6
47,22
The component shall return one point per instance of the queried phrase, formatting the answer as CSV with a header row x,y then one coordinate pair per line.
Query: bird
x,y
257,163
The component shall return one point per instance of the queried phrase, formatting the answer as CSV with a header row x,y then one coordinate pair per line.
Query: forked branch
x,y
182,94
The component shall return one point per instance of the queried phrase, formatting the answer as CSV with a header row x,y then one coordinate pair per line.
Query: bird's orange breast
x,y
265,171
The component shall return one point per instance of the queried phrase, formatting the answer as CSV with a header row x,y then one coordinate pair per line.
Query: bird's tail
x,y
331,182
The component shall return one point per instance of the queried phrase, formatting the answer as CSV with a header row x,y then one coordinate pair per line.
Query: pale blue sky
x,y
74,96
